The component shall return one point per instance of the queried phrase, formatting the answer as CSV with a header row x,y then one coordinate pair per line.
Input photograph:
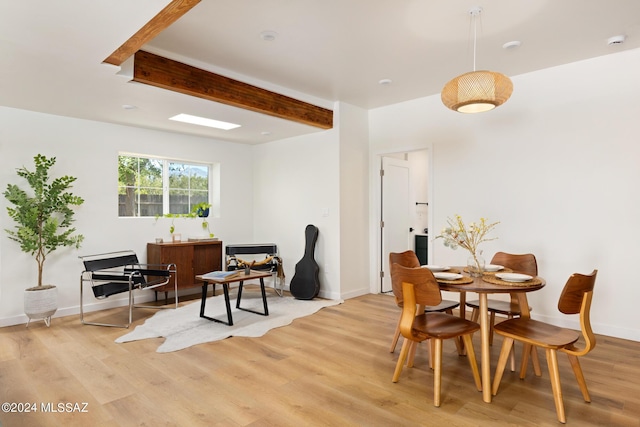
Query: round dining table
x,y
483,286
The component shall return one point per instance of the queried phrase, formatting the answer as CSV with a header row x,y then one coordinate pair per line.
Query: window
x,y
149,186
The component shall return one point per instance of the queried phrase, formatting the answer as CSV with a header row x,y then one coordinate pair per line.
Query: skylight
x,y
202,121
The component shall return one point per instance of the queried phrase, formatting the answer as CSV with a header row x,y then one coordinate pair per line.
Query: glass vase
x,y
475,264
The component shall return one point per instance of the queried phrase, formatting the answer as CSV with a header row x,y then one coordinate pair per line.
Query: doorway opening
x,y
404,208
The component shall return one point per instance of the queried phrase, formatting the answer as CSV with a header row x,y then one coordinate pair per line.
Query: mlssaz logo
x,y
64,407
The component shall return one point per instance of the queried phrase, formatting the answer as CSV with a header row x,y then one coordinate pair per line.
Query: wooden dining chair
x,y
575,298
409,259
419,287
525,264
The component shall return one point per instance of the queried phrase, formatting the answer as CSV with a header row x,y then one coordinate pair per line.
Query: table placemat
x,y
463,281
504,270
495,281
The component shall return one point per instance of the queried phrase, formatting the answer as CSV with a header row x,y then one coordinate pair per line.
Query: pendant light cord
x,y
474,15
475,39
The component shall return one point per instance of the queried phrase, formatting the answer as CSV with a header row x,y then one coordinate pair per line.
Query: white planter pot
x,y
41,304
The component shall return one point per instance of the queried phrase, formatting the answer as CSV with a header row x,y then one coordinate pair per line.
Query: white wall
x,y
354,201
89,150
295,181
558,165
319,179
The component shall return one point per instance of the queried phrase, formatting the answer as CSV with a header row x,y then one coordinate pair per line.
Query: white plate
x,y
447,276
493,267
435,267
513,277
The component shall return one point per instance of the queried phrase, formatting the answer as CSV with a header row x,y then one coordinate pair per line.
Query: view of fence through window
x,y
149,186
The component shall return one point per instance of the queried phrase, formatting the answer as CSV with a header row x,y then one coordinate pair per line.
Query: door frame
x,y
375,208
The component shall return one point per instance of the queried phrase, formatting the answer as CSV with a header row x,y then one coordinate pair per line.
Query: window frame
x,y
213,184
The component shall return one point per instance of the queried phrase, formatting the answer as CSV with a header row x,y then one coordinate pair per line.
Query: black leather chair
x,y
114,273
271,261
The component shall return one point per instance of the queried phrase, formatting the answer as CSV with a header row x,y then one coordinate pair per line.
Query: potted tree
x,y
43,224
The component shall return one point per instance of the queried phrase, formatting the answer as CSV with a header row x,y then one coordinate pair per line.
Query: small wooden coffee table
x,y
253,274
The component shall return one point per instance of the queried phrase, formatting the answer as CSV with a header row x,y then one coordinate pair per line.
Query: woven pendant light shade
x,y
477,91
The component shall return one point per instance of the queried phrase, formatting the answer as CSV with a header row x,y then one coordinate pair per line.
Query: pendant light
x,y
476,91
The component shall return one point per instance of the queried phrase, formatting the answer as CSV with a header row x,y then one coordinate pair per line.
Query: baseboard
x,y
95,305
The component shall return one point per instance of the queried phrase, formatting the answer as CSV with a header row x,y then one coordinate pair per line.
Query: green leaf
x,y
44,215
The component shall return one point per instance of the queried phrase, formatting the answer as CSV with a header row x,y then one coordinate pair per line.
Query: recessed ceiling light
x,y
129,107
202,121
265,133
268,36
512,45
615,40
385,82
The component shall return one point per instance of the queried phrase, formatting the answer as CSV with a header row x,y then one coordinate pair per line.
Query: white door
x,y
395,213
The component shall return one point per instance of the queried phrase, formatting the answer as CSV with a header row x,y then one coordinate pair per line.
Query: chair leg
x,y
512,355
471,355
512,359
577,371
462,350
458,341
475,314
507,345
530,350
412,353
430,347
131,304
396,336
536,361
492,322
554,376
459,346
403,356
526,351
437,371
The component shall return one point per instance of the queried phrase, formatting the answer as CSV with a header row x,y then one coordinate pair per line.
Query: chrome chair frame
x,y
271,262
112,273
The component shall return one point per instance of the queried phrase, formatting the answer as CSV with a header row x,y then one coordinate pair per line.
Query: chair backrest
x,y
524,263
406,259
107,261
575,298
419,287
408,309
572,296
427,290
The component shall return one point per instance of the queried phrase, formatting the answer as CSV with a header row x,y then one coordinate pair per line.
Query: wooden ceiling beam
x,y
172,75
167,16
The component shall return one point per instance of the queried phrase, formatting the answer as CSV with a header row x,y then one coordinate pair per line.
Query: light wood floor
x,y
329,369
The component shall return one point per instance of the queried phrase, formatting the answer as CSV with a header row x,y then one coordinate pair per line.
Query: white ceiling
x,y
51,52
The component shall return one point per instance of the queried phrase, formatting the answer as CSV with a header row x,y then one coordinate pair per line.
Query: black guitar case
x,y
305,283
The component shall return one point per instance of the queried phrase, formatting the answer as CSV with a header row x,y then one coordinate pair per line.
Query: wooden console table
x,y
191,259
